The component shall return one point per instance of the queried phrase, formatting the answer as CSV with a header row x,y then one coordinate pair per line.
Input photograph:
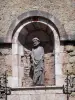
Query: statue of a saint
x,y
37,62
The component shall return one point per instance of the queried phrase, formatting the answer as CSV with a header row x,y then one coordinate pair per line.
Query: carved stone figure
x,y
37,62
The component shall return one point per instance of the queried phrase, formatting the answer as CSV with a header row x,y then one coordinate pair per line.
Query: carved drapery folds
x,y
49,69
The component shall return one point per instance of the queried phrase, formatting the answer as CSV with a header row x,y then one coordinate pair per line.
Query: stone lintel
x,y
38,88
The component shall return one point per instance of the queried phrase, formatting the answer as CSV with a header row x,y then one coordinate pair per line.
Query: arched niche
x,y
42,23
44,33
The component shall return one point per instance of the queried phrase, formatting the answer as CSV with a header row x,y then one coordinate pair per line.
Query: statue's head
x,y
35,41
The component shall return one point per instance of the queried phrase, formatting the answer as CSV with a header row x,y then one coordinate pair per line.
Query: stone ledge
x,y
38,88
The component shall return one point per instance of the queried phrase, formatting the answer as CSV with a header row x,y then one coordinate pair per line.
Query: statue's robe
x,y
38,65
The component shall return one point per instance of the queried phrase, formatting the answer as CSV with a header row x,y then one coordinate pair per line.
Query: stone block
x,y
37,95
60,97
5,51
58,58
53,91
69,48
9,81
21,71
43,97
13,97
24,97
72,59
58,69
21,50
65,58
14,82
26,92
61,48
59,80
40,91
15,60
69,67
8,60
72,97
73,69
72,53
32,97
15,49
15,71
50,96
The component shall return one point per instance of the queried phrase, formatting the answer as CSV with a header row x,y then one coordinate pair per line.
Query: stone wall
x,y
37,93
68,64
63,10
69,59
5,61
49,69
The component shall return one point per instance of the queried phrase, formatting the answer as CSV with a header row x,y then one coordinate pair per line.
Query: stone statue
x,y
37,62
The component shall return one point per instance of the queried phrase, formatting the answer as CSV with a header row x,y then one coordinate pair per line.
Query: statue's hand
x,y
35,62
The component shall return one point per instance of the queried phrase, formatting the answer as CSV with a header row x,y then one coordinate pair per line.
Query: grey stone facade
x,y
5,61
69,59
62,10
15,19
35,93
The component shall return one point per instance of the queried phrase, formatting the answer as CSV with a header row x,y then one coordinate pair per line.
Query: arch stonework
x,y
32,13
17,48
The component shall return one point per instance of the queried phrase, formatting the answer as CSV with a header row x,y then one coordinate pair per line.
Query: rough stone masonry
x,y
64,11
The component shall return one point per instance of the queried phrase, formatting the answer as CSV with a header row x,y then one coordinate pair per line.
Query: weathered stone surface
x,y
49,69
60,97
5,51
65,58
69,68
5,61
70,27
72,53
69,59
72,95
69,48
72,59
37,94
8,60
56,8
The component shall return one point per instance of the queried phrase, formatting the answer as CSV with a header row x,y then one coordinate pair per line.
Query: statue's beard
x,y
36,44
